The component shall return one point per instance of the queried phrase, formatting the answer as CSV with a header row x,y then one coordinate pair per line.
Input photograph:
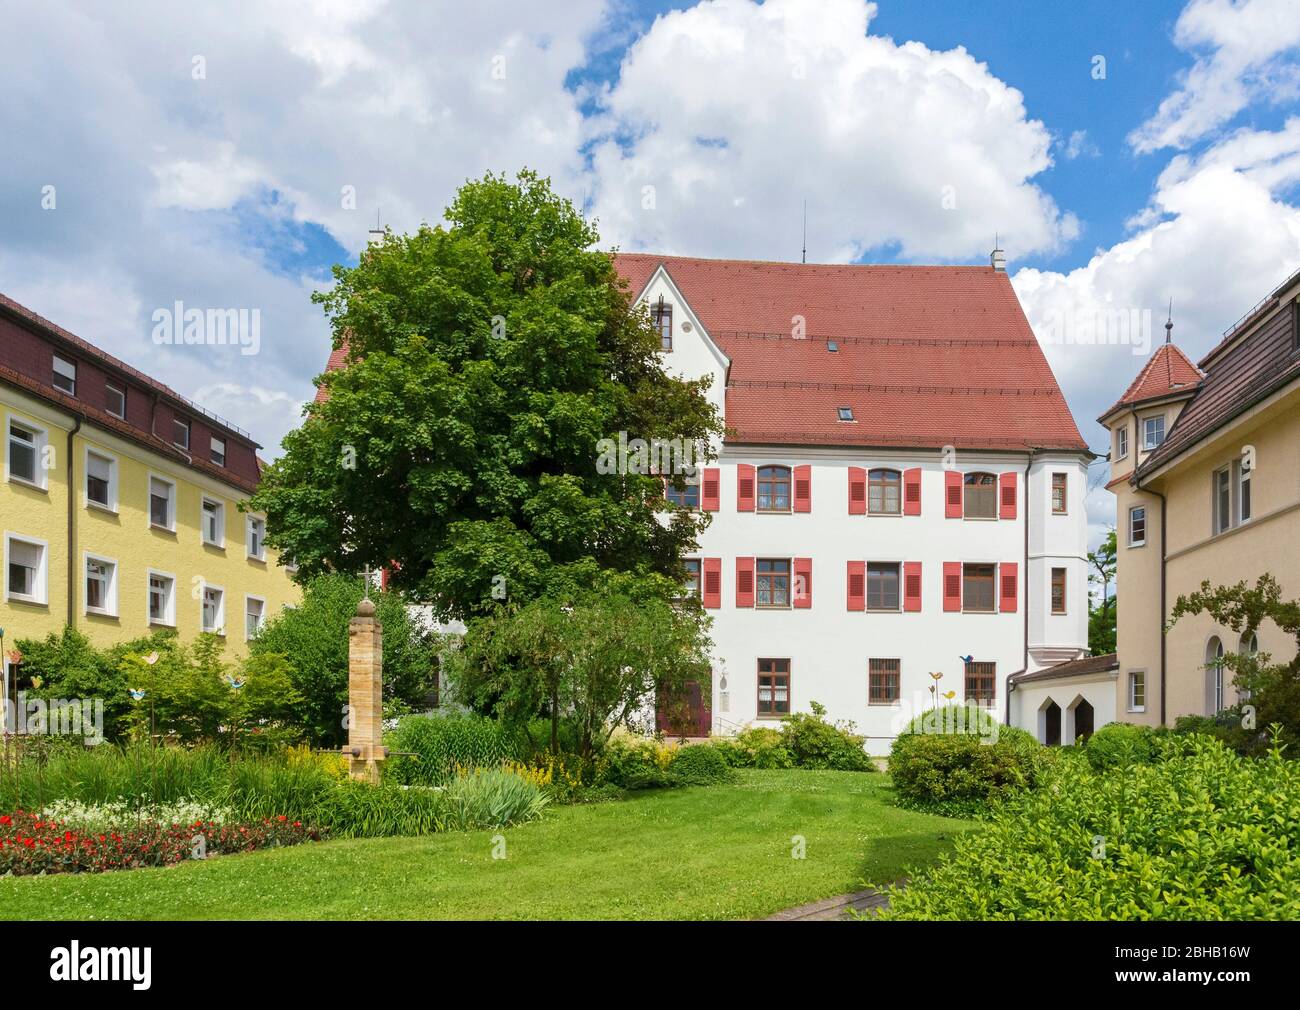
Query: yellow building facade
x,y
117,531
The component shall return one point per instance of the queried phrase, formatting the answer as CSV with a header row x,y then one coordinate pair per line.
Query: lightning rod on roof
x,y
1169,324
804,256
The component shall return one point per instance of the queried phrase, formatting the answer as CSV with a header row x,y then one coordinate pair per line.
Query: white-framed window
x,y
1243,492
1153,432
289,562
254,615
181,431
218,451
1222,500
65,375
101,585
1137,525
256,538
162,598
1214,697
26,569
1121,442
1137,690
162,502
101,480
115,399
25,454
213,615
212,522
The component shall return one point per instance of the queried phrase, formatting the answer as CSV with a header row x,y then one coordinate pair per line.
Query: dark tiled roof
x,y
1074,668
1238,377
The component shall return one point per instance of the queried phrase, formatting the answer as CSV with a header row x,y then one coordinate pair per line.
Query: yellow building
x,y
119,507
1205,467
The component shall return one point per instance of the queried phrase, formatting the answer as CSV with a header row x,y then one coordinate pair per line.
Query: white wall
x,y
1028,701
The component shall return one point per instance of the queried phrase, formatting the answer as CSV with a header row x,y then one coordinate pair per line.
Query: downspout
x,y
72,526
1025,661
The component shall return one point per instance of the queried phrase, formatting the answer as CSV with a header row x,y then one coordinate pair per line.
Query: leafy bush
x,y
955,759
1226,727
491,799
700,765
757,747
1201,833
815,743
630,762
1120,744
444,743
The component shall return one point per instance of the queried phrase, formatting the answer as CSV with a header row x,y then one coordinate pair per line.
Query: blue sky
x,y
208,155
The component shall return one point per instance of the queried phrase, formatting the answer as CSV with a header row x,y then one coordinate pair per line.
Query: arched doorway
x,y
1050,724
1083,719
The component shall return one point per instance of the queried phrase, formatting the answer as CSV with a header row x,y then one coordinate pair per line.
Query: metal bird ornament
x,y
136,695
967,659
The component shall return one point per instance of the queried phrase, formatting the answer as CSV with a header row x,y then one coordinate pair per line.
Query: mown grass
x,y
719,852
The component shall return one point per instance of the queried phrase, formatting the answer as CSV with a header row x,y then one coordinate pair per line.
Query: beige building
x,y
1205,468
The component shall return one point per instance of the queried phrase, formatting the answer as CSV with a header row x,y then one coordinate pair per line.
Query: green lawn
x,y
703,853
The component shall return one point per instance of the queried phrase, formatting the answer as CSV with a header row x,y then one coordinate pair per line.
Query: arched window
x,y
1214,675
884,492
1249,646
981,496
773,489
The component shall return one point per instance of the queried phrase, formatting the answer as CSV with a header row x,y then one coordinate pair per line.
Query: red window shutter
x,y
912,492
1008,495
857,585
952,494
803,488
744,487
709,490
712,591
802,583
744,582
952,585
1009,584
912,587
857,491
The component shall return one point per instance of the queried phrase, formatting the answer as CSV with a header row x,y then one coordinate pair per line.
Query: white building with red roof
x,y
899,499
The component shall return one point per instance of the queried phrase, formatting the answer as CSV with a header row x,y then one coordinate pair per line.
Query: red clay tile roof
x,y
1167,372
928,356
336,361
1074,668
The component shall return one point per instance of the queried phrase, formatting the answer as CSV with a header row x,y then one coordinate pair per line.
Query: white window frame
x,y
221,519
169,610
248,536
188,424
171,506
1121,442
1131,541
1242,487
94,450
42,595
261,623
70,364
111,591
120,389
1147,445
213,451
1132,680
40,439
220,629
1221,515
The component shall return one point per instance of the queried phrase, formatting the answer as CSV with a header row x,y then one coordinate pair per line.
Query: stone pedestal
x,y
365,693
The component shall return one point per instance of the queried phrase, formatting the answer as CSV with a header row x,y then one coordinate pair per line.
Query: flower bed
x,y
32,843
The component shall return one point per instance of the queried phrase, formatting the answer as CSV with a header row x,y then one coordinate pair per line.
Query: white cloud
x,y
1078,145
1244,45
734,112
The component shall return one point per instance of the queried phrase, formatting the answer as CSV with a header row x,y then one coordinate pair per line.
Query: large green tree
x,y
487,360
1102,615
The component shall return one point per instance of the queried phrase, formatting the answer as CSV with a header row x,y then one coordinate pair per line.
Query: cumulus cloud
x,y
1244,48
727,115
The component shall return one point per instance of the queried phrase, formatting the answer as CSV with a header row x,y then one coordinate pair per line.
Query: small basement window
x,y
846,413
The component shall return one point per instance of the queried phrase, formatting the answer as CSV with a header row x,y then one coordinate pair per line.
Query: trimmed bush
x,y
700,765
815,743
446,743
1201,833
1120,744
757,747
634,763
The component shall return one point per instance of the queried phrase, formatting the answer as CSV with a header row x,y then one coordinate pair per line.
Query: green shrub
x,y
444,743
1201,833
490,799
815,743
1227,728
950,720
634,763
1120,744
759,747
700,765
